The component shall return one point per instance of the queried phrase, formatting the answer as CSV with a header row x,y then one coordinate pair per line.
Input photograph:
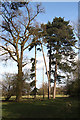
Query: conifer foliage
x,y
60,40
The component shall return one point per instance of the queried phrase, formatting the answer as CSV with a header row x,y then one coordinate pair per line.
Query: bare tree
x,y
17,33
8,85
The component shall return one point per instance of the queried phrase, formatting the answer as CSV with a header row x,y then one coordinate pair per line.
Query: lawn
x,y
61,107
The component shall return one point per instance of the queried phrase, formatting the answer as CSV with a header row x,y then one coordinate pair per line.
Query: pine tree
x,y
35,43
60,40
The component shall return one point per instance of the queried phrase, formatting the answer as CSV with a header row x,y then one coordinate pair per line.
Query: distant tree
x,y
17,33
40,91
59,90
9,84
73,85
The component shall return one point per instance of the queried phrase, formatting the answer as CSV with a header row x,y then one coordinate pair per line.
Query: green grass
x,y
61,107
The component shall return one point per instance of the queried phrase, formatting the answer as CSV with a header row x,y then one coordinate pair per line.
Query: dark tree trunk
x,y
55,78
43,82
50,72
8,97
35,73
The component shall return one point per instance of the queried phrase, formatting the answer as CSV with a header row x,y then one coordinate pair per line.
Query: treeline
x,y
21,32
9,87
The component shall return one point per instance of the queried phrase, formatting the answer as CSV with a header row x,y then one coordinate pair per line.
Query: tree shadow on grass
x,y
60,108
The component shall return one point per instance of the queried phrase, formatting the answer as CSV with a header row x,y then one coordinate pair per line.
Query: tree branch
x,y
30,44
73,45
9,53
29,19
8,41
3,53
24,64
11,23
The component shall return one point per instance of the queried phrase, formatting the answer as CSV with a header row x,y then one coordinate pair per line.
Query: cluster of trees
x,y
20,32
59,90
9,87
73,85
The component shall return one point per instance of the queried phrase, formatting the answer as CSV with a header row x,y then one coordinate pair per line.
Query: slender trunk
x,y
35,72
47,72
50,71
19,82
55,78
43,82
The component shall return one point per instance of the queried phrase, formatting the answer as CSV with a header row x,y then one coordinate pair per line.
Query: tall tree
x,y
35,43
60,40
33,76
17,21
42,34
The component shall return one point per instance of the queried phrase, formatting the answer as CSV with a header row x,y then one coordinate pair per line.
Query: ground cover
x,y
61,107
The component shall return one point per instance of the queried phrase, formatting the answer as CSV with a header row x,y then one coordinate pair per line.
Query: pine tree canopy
x,y
58,34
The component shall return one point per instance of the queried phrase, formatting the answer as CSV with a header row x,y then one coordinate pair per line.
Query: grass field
x,y
61,107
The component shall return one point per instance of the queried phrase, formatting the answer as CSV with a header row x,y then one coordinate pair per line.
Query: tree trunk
x,y
35,72
55,78
50,72
43,82
8,97
47,72
19,82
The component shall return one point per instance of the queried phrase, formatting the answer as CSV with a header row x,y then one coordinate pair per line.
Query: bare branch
x,y
24,64
31,19
3,53
30,44
28,21
10,52
11,23
8,41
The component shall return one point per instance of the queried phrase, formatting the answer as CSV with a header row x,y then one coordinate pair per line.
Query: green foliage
x,y
58,34
34,91
59,90
32,45
40,91
39,49
32,84
32,59
32,75
73,88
